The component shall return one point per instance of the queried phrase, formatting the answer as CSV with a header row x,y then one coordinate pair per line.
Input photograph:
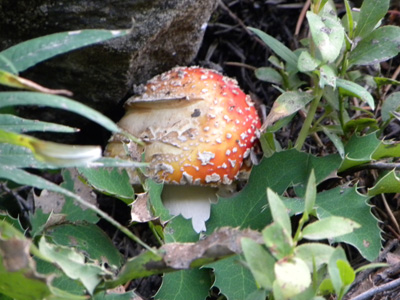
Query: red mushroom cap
x,y
198,126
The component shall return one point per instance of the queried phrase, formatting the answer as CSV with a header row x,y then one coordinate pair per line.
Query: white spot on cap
x,y
223,166
212,116
228,135
234,150
214,177
203,77
246,153
226,180
186,178
243,135
218,141
207,128
226,118
233,162
205,157
228,152
164,167
204,91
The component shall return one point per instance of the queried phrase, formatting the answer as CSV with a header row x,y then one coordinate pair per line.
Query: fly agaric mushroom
x,y
198,127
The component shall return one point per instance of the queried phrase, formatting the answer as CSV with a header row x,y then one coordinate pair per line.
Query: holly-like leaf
x,y
348,203
233,280
185,285
278,172
389,183
114,182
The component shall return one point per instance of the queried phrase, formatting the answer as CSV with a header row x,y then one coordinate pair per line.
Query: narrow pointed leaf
x,y
356,90
329,228
20,125
27,54
372,11
280,49
279,211
31,98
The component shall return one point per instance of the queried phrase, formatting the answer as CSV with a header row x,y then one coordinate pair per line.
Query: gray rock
x,y
165,33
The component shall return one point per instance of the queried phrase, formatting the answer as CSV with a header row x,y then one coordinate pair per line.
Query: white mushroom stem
x,y
192,202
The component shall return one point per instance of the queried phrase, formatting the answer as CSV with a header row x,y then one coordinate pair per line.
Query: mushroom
x,y
198,127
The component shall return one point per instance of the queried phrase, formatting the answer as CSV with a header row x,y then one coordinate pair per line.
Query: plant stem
x,y
310,117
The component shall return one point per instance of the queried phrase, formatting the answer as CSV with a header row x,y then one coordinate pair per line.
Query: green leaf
x,y
336,140
361,124
20,125
73,264
260,262
311,192
292,276
114,182
279,211
328,35
372,12
327,77
287,104
390,105
234,281
349,19
347,273
348,203
307,63
314,253
280,49
27,54
389,183
278,241
106,295
88,239
334,271
278,172
268,75
356,90
180,230
60,155
183,285
32,98
329,228
381,45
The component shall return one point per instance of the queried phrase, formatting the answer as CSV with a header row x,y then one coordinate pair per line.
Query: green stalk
x,y
310,116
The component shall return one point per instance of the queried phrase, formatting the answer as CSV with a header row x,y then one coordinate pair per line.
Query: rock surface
x,y
164,34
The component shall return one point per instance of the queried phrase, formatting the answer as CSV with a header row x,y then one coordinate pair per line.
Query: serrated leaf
x,y
279,212
306,62
390,105
372,12
181,230
366,239
114,182
260,262
73,264
233,280
292,276
247,208
327,34
389,183
285,105
280,49
89,239
14,222
20,125
268,75
329,228
356,90
381,45
27,54
185,285
31,98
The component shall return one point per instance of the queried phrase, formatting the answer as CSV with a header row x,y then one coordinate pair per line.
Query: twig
x,y
379,289
375,166
302,15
